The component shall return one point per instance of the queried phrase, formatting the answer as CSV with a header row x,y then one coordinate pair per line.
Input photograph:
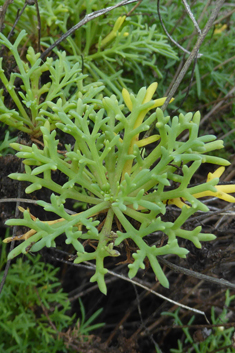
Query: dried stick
x,y
87,18
187,7
191,57
151,291
3,10
17,20
197,275
35,202
215,108
168,35
28,2
38,26
214,69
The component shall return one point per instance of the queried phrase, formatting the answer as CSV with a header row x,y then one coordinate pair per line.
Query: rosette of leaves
x,y
124,189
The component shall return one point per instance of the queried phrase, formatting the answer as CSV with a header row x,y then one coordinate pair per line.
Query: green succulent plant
x,y
33,98
127,189
124,189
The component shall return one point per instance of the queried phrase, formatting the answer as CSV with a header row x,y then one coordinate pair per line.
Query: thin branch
x,y
191,57
152,291
130,309
89,265
35,202
3,10
17,20
87,18
28,2
185,271
142,320
209,73
214,109
13,199
189,86
217,106
38,26
134,8
191,16
168,35
179,68
227,134
223,17
175,327
193,53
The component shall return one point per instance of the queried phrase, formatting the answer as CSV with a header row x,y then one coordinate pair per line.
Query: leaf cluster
x,y
27,322
33,97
